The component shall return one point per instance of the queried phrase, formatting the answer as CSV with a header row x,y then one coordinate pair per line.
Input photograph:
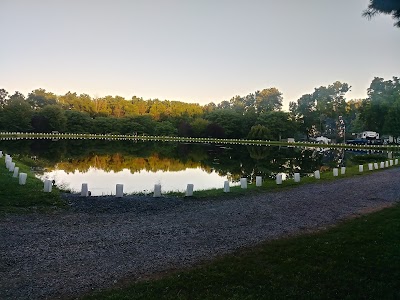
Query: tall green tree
x,y
318,113
268,100
139,106
259,132
392,120
3,97
238,104
229,120
278,124
387,7
39,98
55,116
17,114
199,126
382,94
78,122
165,128
305,114
209,107
224,105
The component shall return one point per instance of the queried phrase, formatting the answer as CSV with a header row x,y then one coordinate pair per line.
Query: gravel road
x,y
101,241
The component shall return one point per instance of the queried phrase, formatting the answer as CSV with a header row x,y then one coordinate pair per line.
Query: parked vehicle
x,y
322,140
366,138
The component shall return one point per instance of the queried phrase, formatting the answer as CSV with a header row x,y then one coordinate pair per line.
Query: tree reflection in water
x,y
230,161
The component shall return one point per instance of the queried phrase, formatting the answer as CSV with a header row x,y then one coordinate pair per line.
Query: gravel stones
x,y
100,241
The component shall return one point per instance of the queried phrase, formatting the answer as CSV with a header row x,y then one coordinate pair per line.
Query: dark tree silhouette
x,y
387,7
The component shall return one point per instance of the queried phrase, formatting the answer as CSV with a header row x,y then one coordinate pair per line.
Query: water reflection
x,y
140,165
101,182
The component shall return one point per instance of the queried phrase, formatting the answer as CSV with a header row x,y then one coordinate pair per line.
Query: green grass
x,y
368,158
24,198
358,259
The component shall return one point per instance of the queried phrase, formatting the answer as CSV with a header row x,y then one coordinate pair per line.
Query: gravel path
x,y
102,240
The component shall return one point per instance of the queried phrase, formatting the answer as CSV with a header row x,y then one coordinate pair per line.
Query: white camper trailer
x,y
368,135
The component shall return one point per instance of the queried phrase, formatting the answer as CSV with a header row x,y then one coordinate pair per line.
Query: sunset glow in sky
x,y
193,51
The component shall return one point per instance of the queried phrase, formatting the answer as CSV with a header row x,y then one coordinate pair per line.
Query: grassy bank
x,y
359,259
23,198
269,184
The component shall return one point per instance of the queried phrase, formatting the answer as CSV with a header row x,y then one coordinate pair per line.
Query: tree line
x,y
258,115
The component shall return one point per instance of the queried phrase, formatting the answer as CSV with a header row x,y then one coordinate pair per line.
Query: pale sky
x,y
193,51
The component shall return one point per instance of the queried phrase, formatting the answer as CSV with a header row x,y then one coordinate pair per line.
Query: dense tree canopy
x,y
17,114
258,115
382,96
318,113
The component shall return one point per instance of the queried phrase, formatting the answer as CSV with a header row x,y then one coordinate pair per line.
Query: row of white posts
x,y
243,181
10,165
119,190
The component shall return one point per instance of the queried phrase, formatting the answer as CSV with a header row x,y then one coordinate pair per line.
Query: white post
x,y
189,190
376,166
47,186
343,170
243,183
360,168
296,177
119,191
382,164
317,174
391,162
50,186
335,171
84,190
16,170
157,190
258,181
278,178
227,189
22,178
11,167
396,161
1,153
370,167
386,164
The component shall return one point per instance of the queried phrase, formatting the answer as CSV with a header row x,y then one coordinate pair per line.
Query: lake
x,y
138,165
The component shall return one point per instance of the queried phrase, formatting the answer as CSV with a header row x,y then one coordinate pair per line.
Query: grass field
x,y
23,198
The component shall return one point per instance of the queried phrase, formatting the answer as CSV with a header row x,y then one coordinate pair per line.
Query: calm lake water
x,y
139,165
